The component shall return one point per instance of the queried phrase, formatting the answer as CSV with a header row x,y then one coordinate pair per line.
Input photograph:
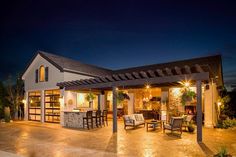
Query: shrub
x,y
225,124
222,153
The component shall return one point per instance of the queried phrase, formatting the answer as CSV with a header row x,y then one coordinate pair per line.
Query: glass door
x,y
34,109
52,106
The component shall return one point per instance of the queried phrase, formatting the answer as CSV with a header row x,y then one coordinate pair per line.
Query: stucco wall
x,y
72,76
54,76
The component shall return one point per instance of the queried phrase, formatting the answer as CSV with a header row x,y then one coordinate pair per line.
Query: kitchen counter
x,y
74,119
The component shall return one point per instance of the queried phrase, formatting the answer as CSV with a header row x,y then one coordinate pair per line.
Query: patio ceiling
x,y
159,76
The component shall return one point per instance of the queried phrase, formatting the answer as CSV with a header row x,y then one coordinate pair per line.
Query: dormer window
x,y
41,73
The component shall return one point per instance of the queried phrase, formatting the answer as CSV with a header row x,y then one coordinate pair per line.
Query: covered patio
x,y
162,75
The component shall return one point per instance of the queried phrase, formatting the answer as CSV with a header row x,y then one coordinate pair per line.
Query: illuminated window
x,y
41,74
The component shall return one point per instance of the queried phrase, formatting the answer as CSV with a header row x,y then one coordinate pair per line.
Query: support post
x,y
199,111
114,97
99,102
42,107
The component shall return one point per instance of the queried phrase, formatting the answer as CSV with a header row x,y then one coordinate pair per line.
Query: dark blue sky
x,y
117,34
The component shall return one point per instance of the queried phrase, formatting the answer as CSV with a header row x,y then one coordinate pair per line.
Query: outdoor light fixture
x,y
117,88
147,86
186,84
23,101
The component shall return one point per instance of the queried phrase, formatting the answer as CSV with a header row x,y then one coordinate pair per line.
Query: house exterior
x,y
55,85
41,77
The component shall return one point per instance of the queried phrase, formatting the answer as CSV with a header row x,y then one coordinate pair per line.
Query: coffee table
x,y
154,124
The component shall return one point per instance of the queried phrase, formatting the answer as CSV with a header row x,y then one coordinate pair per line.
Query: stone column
x,y
42,107
102,102
131,103
210,99
114,98
199,111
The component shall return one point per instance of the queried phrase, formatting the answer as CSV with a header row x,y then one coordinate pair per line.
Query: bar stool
x,y
97,118
104,117
88,119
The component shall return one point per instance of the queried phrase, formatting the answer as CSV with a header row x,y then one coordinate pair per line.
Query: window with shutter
x,y
46,74
36,76
41,73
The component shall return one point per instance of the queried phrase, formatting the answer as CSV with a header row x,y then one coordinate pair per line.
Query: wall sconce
x,y
24,101
61,100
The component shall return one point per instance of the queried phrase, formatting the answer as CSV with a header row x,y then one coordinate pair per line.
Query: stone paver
x,y
34,139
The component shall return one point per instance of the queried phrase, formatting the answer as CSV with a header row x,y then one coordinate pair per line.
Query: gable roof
x,y
69,65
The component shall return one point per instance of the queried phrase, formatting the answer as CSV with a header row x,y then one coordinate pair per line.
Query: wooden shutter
x,y
46,74
36,76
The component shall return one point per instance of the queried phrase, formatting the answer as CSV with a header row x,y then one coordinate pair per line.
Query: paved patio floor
x,y
34,139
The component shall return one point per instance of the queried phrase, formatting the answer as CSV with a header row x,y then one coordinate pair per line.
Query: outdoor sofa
x,y
133,120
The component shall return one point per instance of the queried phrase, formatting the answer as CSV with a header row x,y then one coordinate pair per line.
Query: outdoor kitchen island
x,y
74,119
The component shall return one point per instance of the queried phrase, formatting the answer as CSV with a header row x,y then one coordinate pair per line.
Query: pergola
x,y
160,76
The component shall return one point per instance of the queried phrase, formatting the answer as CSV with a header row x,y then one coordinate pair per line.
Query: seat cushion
x,y
139,117
128,119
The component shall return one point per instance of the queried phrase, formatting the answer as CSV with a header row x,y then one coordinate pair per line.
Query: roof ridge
x,y
67,58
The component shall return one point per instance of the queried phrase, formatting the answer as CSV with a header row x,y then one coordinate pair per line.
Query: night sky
x,y
117,34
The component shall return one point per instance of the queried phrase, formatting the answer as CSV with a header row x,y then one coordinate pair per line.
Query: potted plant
x,y
191,127
187,96
90,97
121,96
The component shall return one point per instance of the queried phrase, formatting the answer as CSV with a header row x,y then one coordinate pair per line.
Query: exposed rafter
x,y
130,77
151,73
122,76
143,74
187,69
178,70
116,77
199,68
160,72
136,75
168,71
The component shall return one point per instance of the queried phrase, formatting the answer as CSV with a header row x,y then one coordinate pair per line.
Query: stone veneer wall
x,y
174,105
74,119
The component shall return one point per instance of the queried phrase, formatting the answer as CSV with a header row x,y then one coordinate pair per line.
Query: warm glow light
x,y
31,101
61,101
147,86
219,103
23,101
176,91
186,84
117,88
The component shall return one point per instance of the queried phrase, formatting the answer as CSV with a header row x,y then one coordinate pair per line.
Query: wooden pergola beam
x,y
116,77
142,81
168,71
122,76
109,78
160,73
136,75
129,76
187,69
143,74
178,70
198,68
151,73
